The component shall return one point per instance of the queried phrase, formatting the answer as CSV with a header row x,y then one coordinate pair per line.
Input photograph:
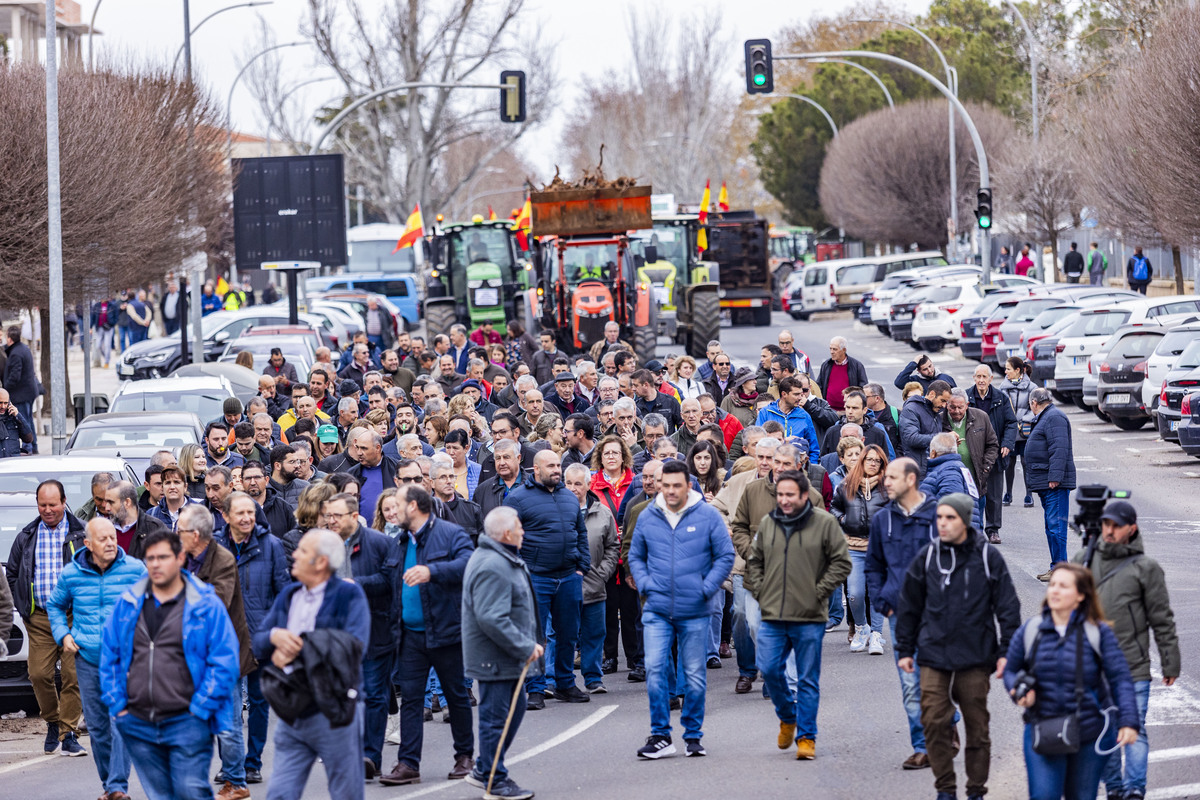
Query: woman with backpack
x,y
1139,271
1066,669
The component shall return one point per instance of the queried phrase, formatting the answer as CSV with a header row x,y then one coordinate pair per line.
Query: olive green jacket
x,y
793,575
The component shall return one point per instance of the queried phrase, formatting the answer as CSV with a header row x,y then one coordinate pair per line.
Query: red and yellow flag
x,y
414,229
702,235
222,287
523,225
491,214
723,198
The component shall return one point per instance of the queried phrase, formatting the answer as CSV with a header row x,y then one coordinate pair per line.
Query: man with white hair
x,y
587,381
317,601
945,473
501,633
839,372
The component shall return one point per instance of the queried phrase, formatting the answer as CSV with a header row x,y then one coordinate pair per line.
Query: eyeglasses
x,y
872,460
333,515
409,480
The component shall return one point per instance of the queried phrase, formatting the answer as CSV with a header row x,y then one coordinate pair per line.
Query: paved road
x,y
588,750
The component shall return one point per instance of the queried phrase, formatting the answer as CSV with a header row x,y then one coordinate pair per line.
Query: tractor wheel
x,y
645,339
706,322
438,319
762,316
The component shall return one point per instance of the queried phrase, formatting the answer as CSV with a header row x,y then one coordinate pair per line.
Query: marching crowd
x,y
480,520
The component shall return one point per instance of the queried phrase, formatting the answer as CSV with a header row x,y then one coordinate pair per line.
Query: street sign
x,y
286,265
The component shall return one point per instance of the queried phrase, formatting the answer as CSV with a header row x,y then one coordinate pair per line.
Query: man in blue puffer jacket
x,y
88,589
679,556
945,473
556,551
1050,471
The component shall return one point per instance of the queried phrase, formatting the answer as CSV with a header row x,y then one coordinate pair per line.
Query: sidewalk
x,y
104,382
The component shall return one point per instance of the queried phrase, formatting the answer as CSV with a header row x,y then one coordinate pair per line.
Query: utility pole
x,y
200,268
58,353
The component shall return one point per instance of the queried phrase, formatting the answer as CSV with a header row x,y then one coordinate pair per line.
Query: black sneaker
x,y
1007,499
597,688
71,747
507,789
572,694
714,662
550,692
608,666
476,779
535,701
657,747
253,775
51,737
694,748
637,674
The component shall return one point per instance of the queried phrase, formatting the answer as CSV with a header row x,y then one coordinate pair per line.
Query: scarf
x,y
745,400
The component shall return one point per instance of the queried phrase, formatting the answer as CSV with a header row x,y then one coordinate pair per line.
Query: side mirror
x,y
651,253
221,336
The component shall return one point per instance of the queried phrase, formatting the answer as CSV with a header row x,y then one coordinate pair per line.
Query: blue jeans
x,y
299,745
910,693
1137,755
559,601
171,756
858,592
1073,777
256,728
658,632
112,759
775,641
837,611
714,632
433,688
375,685
494,700
414,667
1056,505
743,642
231,747
591,640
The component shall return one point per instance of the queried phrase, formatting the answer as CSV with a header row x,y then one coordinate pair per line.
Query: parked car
x,y
1162,360
1181,381
400,290
74,472
1121,373
135,435
881,298
840,284
296,348
202,396
1189,424
935,321
904,304
970,326
17,509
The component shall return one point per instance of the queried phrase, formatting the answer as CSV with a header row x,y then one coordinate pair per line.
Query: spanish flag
x,y
523,225
723,198
702,235
222,287
491,214
414,229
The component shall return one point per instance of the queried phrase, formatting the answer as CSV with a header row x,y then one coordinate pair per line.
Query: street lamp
x,y
1033,65
92,30
882,86
279,106
229,104
192,32
818,107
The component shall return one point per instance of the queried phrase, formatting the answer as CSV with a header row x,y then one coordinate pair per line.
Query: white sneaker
x,y
393,729
859,642
876,643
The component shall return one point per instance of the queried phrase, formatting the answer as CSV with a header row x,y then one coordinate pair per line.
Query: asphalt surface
x,y
587,750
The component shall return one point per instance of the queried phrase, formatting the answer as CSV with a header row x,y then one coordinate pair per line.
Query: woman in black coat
x,y
855,501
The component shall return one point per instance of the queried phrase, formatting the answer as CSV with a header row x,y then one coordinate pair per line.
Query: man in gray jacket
x,y
501,633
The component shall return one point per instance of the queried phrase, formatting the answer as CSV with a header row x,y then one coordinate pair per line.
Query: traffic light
x,y
512,97
983,211
760,77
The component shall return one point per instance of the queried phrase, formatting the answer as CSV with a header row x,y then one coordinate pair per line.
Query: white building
x,y
23,31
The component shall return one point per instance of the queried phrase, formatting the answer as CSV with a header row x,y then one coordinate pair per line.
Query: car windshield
x,y
205,405
1001,311
101,435
1027,310
671,241
940,294
814,276
1135,345
1190,358
1175,342
1050,316
14,517
483,244
1100,323
77,484
893,282
597,261
859,273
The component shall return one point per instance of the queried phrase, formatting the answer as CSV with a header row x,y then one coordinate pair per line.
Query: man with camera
x,y
1133,592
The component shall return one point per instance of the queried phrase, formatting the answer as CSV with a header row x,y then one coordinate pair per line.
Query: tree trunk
x,y
1054,257
1177,258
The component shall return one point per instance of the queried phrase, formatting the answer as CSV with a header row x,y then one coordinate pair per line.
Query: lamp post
x,y
92,30
1033,66
279,106
229,103
882,86
817,106
58,361
200,24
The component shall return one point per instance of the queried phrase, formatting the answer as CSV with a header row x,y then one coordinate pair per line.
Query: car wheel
x,y
933,345
1059,397
1077,399
1129,423
1102,416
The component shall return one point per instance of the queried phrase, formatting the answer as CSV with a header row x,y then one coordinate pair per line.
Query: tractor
x,y
476,275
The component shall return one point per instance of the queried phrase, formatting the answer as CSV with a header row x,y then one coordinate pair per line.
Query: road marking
x,y
1185,790
1175,753
886,361
29,762
537,750
1132,450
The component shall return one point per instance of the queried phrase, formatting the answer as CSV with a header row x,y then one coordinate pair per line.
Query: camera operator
x,y
1133,590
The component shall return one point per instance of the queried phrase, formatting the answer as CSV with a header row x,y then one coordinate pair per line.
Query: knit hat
x,y
231,406
743,375
348,387
962,504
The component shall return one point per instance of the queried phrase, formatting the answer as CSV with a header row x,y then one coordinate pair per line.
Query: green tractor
x,y
474,274
685,288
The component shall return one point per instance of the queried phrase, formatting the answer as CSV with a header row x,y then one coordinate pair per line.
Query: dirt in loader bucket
x,y
592,205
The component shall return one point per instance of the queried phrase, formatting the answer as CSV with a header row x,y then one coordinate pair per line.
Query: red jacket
x,y
731,427
609,494
483,340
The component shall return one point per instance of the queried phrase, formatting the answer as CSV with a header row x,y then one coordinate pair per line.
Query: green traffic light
x,y
985,221
760,79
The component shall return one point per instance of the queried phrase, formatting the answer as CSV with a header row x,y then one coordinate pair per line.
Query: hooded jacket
x,y
210,648
796,422
679,569
89,596
1133,593
919,423
909,373
1049,453
500,620
954,596
280,518
445,549
604,548
895,539
795,564
19,567
946,475
756,501
555,541
1018,398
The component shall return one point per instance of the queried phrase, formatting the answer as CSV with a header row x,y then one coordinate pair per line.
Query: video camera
x,y
1092,499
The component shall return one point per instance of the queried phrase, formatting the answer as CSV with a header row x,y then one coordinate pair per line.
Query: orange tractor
x,y
585,271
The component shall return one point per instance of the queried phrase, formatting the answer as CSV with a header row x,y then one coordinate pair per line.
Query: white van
x,y
840,284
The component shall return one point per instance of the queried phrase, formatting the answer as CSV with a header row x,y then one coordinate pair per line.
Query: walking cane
x,y
504,734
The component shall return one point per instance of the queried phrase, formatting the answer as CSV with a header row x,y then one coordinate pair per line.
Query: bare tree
x,y
886,175
1042,184
395,145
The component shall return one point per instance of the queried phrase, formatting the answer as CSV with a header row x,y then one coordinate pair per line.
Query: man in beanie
x,y
231,415
954,640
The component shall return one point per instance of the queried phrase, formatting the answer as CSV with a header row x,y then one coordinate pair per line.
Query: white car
x,y
881,298
1163,360
1091,329
936,319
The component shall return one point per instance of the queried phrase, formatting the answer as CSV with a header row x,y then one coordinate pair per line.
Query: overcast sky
x,y
591,36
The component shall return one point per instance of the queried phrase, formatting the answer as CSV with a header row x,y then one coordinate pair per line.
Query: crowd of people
x,y
483,521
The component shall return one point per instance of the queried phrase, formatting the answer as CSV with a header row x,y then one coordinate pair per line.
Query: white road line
x,y
1184,790
886,361
29,762
1175,753
537,750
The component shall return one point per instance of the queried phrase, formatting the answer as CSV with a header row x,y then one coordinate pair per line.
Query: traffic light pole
x,y
818,107
984,174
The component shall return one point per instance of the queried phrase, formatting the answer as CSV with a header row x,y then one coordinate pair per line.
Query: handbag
x,y
1025,428
1059,736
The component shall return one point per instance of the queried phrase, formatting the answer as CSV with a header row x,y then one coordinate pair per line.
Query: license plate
x,y
1077,360
487,297
126,369
1051,384
1118,399
902,317
1173,425
930,315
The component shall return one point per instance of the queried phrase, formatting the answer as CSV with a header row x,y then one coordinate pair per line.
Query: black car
x,y
1189,424
1121,373
1181,381
1045,354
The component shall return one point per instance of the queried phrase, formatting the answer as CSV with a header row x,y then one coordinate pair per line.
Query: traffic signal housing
x,y
983,210
760,75
512,96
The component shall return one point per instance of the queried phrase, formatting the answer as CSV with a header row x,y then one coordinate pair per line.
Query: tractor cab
x,y
666,261
477,268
